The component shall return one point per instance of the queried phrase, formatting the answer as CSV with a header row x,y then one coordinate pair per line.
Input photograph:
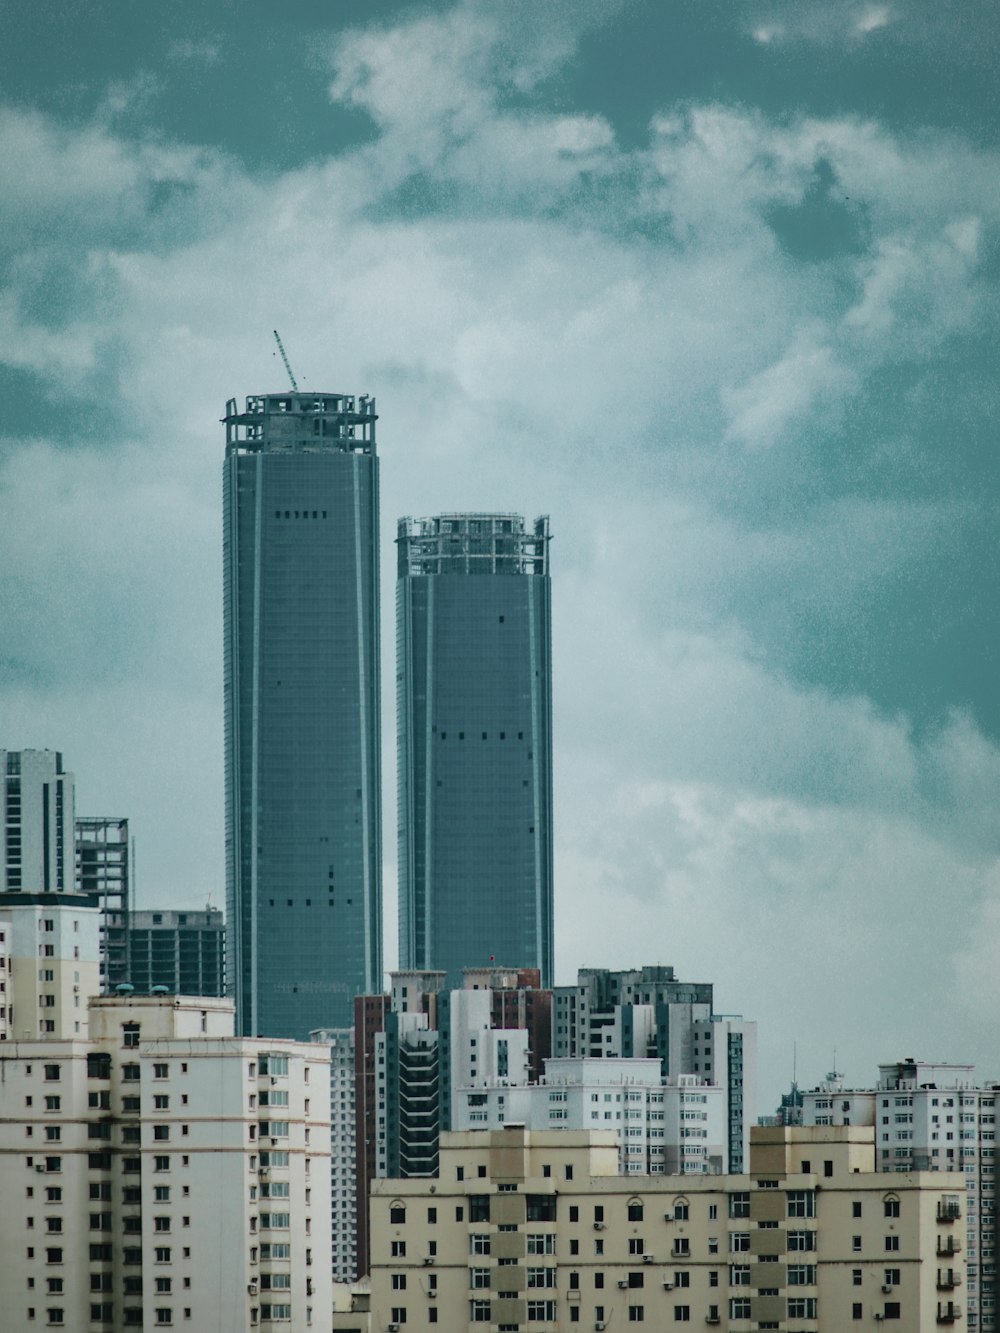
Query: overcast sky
x,y
712,282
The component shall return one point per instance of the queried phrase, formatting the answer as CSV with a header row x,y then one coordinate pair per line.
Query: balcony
x,y
949,1210
949,1314
947,1279
948,1245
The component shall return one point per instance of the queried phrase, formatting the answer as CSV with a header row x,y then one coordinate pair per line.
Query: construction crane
x,y
281,349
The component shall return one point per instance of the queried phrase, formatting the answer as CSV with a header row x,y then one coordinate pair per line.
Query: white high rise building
x,y
932,1117
163,1172
49,965
343,1151
37,822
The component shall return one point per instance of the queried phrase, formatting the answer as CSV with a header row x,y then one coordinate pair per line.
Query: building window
x,y
890,1206
802,1307
636,1314
892,1243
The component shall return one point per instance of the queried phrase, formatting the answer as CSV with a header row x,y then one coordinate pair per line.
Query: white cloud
x,y
834,23
806,379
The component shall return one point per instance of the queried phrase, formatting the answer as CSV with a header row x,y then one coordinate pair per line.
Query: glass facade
x,y
303,814
474,720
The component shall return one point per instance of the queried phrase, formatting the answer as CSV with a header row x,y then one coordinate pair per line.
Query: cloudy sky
x,y
712,282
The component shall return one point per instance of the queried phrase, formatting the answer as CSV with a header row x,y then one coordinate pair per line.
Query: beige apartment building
x,y
538,1232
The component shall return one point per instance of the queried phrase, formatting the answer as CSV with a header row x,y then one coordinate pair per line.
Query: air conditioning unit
x,y
622,1283
428,1260
878,1316
668,1286
599,1326
252,1288
598,1226
711,1319
647,1258
40,1170
393,1328
887,1290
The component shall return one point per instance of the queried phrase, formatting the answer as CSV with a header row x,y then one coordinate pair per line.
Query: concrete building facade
x,y
676,1126
49,965
932,1117
163,1172
343,1152
302,708
475,743
37,821
183,951
104,873
529,1230
648,1013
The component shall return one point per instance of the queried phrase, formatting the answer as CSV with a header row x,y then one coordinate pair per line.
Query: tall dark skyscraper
x,y
303,812
474,681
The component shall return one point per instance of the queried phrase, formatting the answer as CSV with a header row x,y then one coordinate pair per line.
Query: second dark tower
x,y
474,683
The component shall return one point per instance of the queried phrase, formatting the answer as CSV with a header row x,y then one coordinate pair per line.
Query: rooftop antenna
x,y
281,349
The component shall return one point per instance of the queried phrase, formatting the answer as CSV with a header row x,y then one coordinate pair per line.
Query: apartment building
x,y
649,1013
420,1043
677,1126
37,820
932,1117
49,965
162,1172
539,1231
343,1154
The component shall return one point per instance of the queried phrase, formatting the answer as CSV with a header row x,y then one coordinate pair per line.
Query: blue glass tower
x,y
474,681
303,813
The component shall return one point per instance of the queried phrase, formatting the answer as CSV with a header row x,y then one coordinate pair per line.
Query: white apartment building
x,y
343,1151
479,1055
37,852
540,1231
675,1126
164,1173
648,1013
932,1117
49,965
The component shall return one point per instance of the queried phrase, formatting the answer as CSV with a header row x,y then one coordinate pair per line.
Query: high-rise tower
x,y
36,819
475,743
303,813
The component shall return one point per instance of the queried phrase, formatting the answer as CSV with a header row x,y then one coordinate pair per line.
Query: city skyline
x,y
713,285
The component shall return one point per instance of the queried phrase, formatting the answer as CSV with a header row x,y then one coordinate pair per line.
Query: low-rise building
x,y
540,1231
